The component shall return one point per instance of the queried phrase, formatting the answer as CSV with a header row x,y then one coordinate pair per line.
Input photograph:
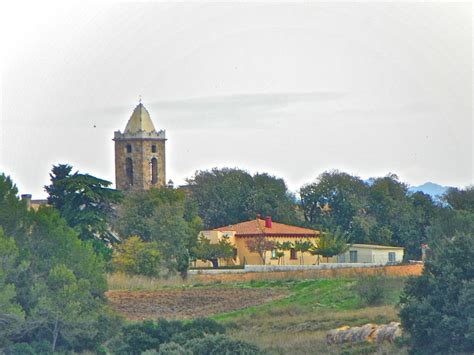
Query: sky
x,y
292,89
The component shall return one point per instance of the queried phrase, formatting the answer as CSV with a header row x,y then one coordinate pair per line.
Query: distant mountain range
x,y
430,188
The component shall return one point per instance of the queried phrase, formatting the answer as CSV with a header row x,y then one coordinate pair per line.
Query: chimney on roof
x,y
268,222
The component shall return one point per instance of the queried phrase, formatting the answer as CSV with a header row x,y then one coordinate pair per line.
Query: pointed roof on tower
x,y
140,121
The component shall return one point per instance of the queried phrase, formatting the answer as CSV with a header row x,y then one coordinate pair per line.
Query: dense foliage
x,y
137,257
163,216
330,244
437,307
380,211
228,196
200,336
207,251
85,202
51,283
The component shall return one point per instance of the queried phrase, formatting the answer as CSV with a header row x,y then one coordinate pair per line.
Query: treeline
x,y
381,211
53,265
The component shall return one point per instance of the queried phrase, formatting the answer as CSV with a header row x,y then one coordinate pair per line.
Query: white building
x,y
368,253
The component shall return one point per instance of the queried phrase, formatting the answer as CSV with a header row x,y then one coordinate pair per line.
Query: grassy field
x,y
298,322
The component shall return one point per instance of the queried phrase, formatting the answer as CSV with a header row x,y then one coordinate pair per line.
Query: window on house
x,y
234,253
353,256
341,258
153,148
293,255
129,148
274,254
129,170
391,257
154,171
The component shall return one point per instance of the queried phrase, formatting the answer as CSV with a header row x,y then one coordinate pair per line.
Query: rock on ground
x,y
368,332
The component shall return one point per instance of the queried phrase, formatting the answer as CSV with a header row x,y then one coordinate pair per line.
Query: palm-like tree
x,y
303,246
279,255
330,244
285,246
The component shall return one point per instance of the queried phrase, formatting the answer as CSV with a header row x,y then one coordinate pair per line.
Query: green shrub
x,y
205,326
140,337
372,290
198,329
219,345
137,257
137,338
172,348
148,335
20,349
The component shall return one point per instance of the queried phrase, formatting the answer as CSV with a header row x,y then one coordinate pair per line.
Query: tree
x,y
64,305
330,244
14,215
285,246
51,283
280,254
53,243
84,201
134,256
207,251
460,199
270,197
436,308
163,216
222,195
424,213
228,196
11,313
333,200
260,245
303,246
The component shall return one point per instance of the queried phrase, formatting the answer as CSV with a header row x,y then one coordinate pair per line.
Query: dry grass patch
x,y
120,281
305,333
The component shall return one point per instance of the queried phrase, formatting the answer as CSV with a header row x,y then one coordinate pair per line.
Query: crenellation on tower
x,y
140,154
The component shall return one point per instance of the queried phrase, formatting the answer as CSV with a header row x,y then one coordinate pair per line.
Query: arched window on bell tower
x,y
154,170
129,170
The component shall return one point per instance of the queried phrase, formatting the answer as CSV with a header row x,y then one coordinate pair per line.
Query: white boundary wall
x,y
270,268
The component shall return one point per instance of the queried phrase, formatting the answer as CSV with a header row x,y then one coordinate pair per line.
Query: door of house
x,y
353,256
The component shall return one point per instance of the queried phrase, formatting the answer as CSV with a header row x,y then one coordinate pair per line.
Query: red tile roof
x,y
257,226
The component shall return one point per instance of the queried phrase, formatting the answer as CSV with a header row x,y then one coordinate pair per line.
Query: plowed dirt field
x,y
187,303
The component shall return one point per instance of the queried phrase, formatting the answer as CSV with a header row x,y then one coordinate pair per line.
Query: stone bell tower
x,y
140,153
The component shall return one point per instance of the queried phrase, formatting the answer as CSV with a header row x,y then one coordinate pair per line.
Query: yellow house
x,y
238,235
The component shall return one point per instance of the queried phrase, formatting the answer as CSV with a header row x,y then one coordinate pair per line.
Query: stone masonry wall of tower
x,y
140,154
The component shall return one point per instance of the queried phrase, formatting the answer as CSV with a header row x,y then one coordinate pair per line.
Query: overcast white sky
x,y
289,89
